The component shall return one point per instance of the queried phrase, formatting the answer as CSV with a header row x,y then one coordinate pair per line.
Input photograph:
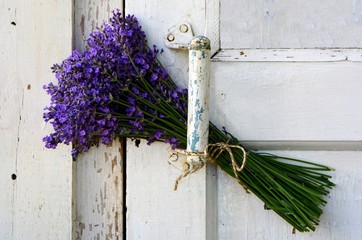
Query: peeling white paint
x,y
98,189
289,55
198,97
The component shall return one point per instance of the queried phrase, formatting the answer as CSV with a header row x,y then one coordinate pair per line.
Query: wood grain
x,y
288,101
99,201
157,17
35,182
289,55
154,209
98,189
212,25
10,103
292,24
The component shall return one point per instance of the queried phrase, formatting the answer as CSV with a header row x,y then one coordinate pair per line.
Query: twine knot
x,y
211,153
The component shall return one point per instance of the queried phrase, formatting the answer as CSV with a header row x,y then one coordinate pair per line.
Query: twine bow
x,y
211,154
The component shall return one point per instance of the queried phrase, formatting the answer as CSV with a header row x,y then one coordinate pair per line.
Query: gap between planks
x,y
304,145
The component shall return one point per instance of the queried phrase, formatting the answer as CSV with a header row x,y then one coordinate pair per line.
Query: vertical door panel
x,y
35,182
154,209
98,189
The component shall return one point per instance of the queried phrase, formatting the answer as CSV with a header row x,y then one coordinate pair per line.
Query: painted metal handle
x,y
198,95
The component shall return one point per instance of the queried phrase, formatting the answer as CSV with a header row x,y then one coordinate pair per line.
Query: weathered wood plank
x,y
99,193
156,17
89,15
34,35
288,101
10,102
291,24
289,55
154,209
98,190
242,216
212,24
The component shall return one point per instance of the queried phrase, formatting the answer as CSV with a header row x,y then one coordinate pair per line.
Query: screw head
x,y
184,28
173,157
170,37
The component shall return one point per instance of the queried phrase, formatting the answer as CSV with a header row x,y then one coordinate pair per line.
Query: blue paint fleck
x,y
195,138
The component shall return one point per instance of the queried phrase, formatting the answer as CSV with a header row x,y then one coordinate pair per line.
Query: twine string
x,y
211,153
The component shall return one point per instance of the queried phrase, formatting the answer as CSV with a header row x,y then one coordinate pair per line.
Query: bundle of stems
x,y
117,87
293,188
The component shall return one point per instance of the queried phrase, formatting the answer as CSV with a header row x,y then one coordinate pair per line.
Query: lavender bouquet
x,y
118,88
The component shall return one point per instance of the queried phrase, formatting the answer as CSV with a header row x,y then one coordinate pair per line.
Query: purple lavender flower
x,y
118,75
173,141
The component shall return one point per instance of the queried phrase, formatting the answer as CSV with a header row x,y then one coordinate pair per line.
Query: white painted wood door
x,y
287,79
